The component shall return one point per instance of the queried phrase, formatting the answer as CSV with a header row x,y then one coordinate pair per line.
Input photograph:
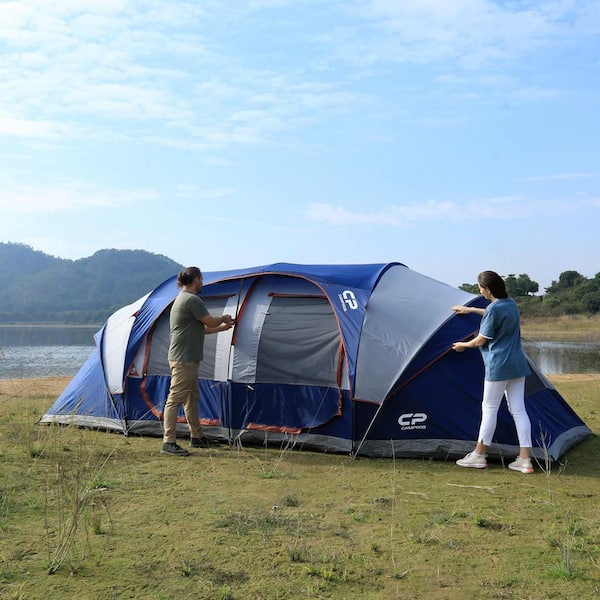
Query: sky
x,y
451,136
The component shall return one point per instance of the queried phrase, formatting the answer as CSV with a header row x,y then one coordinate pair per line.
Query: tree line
x,y
38,288
572,293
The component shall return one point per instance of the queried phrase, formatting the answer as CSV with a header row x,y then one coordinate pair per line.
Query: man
x,y
189,322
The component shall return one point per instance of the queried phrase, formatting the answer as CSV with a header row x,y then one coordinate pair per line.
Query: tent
x,y
341,358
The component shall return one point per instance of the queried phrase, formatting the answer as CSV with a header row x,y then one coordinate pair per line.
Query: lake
x,y
40,351
556,358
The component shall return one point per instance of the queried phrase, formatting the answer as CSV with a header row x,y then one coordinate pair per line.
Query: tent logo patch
x,y
412,421
348,300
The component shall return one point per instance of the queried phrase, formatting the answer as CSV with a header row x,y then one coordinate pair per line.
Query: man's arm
x,y
214,324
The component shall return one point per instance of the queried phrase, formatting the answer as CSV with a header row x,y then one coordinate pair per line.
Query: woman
x,y
506,367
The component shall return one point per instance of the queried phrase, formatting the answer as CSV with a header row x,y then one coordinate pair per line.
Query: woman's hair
x,y
187,276
493,282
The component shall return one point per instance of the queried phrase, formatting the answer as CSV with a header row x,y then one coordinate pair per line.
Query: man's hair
x,y
187,276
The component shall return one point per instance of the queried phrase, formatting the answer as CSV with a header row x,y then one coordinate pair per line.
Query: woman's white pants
x,y
493,392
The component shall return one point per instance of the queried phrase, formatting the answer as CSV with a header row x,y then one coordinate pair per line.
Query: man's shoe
x,y
174,449
474,460
521,464
202,442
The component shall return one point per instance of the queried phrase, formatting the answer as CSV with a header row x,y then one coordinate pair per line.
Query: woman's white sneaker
x,y
474,460
521,464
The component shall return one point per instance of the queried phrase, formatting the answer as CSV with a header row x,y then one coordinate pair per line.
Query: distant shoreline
x,y
566,328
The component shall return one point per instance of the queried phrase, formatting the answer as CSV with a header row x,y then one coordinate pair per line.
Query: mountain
x,y
38,288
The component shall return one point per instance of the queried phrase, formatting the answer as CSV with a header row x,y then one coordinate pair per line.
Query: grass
x,y
568,328
87,514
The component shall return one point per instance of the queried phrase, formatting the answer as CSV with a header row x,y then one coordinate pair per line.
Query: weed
x,y
297,553
290,501
488,523
425,536
566,541
99,485
563,570
358,515
36,452
225,593
3,509
68,499
443,517
98,512
187,568
328,573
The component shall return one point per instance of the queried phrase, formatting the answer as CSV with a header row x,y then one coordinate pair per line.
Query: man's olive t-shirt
x,y
187,331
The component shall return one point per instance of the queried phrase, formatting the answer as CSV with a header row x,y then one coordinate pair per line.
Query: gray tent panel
x,y
404,311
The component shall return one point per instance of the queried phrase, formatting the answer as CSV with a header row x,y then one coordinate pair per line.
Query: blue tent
x,y
342,358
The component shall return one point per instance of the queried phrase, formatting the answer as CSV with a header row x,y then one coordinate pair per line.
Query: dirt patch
x,y
45,386
53,386
574,377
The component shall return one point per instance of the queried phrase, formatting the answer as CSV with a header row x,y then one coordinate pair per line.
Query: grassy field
x,y
86,514
568,328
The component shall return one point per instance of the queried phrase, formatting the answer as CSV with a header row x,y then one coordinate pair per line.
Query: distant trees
x,y
522,285
38,288
572,293
472,288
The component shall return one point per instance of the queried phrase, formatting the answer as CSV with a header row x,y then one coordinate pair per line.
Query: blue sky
x,y
450,136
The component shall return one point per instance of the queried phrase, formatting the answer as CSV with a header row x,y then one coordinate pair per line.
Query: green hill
x,y
38,288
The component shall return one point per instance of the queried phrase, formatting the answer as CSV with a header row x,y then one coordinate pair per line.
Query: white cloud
x,y
400,215
96,62
562,176
110,69
55,198
535,94
406,215
471,33
30,128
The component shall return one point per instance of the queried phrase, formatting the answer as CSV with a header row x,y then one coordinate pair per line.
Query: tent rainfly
x,y
341,358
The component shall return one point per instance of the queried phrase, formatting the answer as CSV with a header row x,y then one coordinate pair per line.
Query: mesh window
x,y
299,343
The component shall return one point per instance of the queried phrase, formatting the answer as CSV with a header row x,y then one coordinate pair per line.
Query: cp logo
x,y
349,299
411,419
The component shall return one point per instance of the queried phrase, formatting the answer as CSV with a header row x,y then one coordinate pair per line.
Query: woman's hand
x,y
461,310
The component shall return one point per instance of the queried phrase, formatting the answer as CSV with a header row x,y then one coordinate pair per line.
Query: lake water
x,y
28,352
555,358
